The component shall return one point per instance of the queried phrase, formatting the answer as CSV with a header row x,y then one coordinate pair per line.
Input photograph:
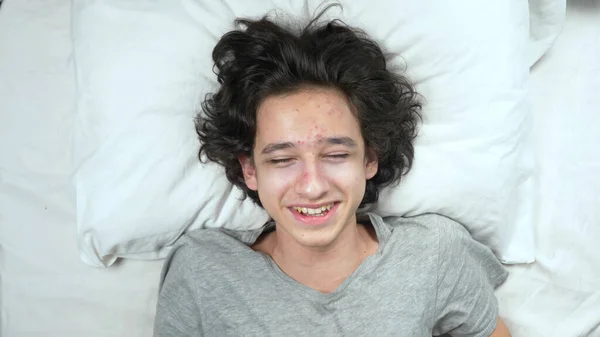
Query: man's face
x,y
309,164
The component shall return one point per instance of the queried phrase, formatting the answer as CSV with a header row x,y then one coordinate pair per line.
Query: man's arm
x,y
501,330
177,310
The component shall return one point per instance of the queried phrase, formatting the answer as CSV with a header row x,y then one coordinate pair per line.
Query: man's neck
x,y
323,268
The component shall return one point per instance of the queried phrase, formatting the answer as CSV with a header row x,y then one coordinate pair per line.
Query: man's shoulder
x,y
204,250
425,235
429,223
212,239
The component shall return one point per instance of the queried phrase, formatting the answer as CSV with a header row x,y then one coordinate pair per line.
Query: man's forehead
x,y
305,131
314,104
304,119
319,141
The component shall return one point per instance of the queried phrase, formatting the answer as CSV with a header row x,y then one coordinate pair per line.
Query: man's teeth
x,y
314,211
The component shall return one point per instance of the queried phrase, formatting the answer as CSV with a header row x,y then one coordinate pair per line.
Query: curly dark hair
x,y
261,58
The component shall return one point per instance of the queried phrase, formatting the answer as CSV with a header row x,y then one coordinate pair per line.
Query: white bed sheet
x,y
46,291
560,294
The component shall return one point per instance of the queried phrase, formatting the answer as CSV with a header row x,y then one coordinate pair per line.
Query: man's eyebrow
x,y
274,147
346,141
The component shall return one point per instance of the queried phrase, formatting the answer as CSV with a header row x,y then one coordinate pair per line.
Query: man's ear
x,y
249,171
371,163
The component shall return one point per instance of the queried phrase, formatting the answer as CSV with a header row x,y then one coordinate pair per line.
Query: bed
x,y
45,289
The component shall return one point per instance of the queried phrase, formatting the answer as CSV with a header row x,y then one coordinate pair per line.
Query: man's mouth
x,y
316,212
315,216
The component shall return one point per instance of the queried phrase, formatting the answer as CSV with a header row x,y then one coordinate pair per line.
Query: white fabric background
x,y
46,291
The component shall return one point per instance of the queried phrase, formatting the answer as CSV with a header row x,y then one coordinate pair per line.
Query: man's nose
x,y
312,183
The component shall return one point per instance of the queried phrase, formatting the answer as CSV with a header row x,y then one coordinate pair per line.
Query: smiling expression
x,y
309,164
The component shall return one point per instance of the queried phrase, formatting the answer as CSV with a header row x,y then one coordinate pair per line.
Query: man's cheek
x,y
279,179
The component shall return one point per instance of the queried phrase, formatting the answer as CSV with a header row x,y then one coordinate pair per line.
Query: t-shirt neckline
x,y
382,231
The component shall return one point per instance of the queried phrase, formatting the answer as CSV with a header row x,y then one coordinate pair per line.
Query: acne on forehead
x,y
317,132
305,115
319,98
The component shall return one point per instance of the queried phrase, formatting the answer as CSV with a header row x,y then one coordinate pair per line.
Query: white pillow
x,y
142,67
546,18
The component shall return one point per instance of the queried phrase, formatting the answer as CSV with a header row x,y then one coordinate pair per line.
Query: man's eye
x,y
280,161
338,156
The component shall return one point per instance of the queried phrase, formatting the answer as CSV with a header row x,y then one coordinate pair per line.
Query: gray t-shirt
x,y
427,277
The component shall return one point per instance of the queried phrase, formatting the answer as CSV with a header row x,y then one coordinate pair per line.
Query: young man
x,y
311,125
